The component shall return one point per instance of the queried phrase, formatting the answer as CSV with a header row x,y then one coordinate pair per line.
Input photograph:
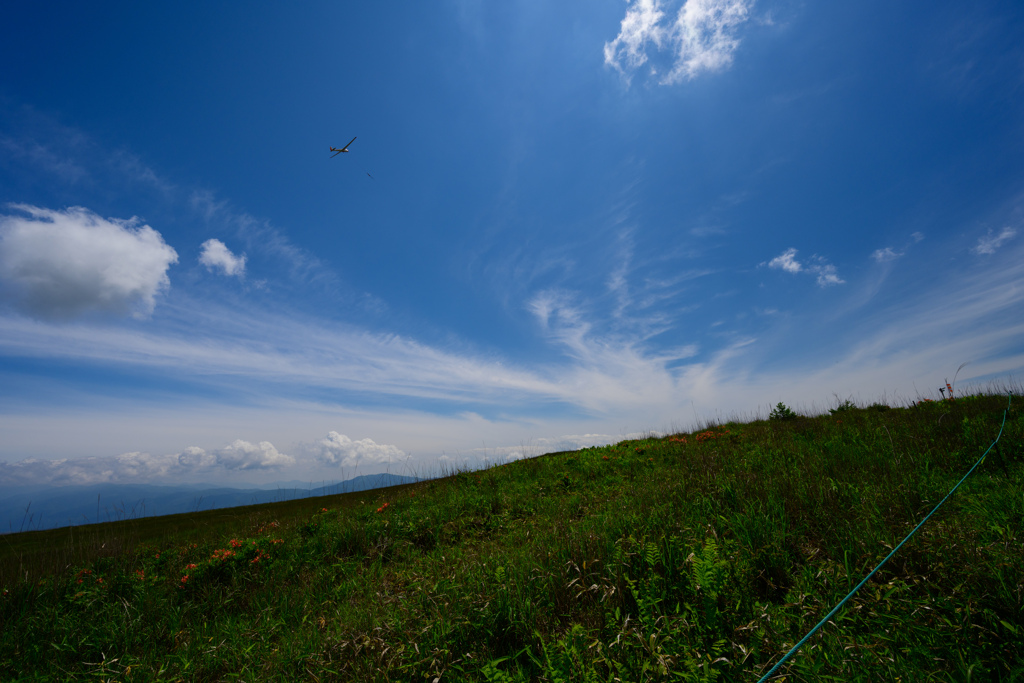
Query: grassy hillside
x,y
695,557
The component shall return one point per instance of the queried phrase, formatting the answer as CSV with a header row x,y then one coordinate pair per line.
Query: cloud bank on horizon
x,y
688,210
192,462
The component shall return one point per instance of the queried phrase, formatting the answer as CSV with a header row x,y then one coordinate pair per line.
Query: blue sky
x,y
559,224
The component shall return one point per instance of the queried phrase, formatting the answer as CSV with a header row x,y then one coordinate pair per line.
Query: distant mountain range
x,y
48,508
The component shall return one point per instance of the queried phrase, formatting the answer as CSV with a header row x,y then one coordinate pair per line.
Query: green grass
x,y
698,557
32,555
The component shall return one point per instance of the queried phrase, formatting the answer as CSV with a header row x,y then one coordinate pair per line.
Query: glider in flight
x,y
343,149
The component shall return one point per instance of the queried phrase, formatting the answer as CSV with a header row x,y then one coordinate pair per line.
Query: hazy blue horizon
x,y
75,505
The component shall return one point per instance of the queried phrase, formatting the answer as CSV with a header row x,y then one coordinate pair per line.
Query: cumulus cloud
x,y
786,261
242,455
195,458
990,243
138,466
338,449
61,264
132,467
260,235
826,273
216,255
701,38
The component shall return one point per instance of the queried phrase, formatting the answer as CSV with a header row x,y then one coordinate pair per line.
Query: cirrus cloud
x,y
990,243
886,254
61,264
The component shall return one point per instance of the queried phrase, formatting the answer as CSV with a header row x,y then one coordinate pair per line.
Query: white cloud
x,y
195,458
260,236
205,339
132,467
639,27
989,244
608,371
786,261
337,449
60,264
550,303
242,455
826,272
702,38
886,254
215,254
606,381
138,466
618,386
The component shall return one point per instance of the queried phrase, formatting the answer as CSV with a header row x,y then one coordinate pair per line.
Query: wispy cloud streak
x,y
990,244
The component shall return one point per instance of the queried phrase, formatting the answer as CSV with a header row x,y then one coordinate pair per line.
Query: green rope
x,y
857,588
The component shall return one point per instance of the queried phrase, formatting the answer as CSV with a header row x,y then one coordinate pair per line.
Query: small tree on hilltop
x,y
782,412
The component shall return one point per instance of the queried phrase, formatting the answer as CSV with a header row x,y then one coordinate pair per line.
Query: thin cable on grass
x,y
831,614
